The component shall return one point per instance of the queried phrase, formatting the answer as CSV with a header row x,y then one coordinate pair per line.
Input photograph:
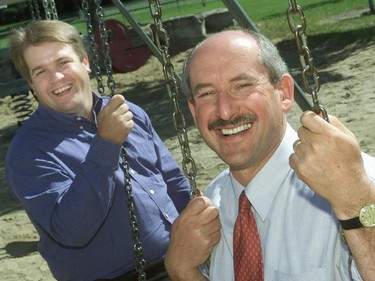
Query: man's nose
x,y
56,75
226,106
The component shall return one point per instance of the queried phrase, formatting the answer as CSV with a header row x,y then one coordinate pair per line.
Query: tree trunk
x,y
371,5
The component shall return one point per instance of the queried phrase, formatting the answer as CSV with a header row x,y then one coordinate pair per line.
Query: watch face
x,y
367,215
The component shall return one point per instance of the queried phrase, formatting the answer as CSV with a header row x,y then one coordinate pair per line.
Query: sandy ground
x,y
347,76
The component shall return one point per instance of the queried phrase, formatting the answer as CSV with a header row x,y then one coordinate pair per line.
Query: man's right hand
x,y
194,234
115,121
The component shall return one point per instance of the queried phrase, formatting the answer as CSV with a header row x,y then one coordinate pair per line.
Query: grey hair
x,y
268,56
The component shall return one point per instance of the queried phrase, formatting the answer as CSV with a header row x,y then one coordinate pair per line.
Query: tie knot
x,y
244,203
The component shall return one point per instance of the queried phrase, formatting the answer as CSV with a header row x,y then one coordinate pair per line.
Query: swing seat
x,y
125,58
130,59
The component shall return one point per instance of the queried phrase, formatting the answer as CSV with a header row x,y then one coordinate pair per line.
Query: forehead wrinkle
x,y
240,77
217,72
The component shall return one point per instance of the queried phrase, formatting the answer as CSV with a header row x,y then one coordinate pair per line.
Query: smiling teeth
x,y
58,91
236,130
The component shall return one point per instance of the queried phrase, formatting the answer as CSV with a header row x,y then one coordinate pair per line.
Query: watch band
x,y
351,223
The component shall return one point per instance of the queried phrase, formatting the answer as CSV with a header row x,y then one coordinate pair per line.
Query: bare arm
x,y
194,234
328,158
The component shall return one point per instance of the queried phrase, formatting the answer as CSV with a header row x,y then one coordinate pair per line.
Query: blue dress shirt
x,y
69,182
299,233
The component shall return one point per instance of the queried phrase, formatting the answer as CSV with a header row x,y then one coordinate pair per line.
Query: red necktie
x,y
248,263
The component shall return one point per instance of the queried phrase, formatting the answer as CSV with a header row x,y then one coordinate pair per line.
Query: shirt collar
x,y
60,116
98,105
263,187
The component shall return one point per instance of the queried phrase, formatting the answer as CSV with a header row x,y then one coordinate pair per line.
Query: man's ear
x,y
86,62
32,91
286,90
31,85
33,94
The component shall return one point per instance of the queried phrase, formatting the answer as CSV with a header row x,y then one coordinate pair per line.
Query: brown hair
x,y
41,31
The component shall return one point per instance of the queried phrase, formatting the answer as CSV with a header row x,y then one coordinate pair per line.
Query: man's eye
x,y
39,72
205,94
244,85
64,62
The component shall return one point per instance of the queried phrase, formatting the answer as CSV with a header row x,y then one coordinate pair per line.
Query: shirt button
x,y
166,215
132,171
152,191
81,127
78,119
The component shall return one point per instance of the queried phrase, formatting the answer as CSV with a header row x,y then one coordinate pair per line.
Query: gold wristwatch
x,y
366,218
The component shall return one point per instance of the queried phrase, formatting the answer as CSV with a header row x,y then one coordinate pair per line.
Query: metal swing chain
x,y
310,76
92,46
33,10
162,42
140,261
105,43
50,5
54,10
47,5
46,10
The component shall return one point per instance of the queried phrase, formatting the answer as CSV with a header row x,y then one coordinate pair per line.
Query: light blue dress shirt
x,y
300,236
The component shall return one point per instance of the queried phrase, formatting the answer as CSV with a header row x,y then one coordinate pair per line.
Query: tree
x,y
371,5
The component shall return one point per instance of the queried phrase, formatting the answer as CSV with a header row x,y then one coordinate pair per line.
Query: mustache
x,y
219,123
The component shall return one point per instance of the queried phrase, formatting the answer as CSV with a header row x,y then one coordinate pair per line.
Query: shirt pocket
x,y
320,274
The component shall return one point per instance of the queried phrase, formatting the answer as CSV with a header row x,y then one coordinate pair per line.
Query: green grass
x,y
325,18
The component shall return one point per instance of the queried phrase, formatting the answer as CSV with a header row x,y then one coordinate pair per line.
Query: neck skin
x,y
245,175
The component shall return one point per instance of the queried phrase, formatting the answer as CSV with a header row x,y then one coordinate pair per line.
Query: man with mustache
x,y
312,194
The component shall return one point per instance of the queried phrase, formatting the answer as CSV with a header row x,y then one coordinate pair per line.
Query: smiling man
x,y
59,78
239,90
63,165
